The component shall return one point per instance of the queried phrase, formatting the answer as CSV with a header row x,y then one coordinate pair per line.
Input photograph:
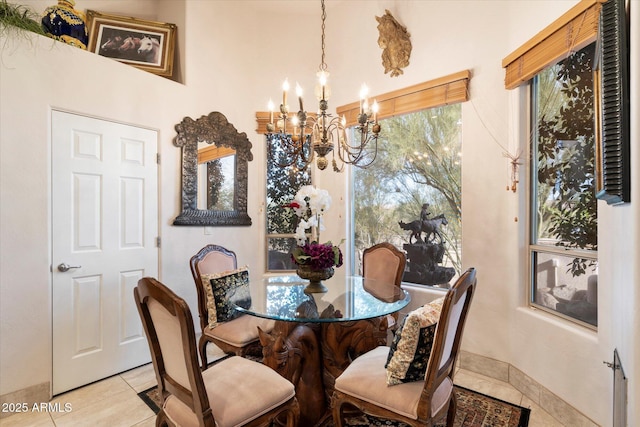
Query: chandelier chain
x,y
323,65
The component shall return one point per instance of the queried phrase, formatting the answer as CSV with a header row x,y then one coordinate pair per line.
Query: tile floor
x,y
114,402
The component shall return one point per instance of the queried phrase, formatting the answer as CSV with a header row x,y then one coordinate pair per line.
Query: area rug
x,y
474,410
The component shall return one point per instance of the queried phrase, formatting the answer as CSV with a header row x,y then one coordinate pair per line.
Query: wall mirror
x,y
215,160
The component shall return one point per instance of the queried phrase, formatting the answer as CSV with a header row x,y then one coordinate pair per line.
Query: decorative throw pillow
x,y
212,315
411,346
220,287
232,286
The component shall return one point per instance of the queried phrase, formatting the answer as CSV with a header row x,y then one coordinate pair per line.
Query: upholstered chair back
x,y
210,259
384,262
217,261
167,329
448,335
455,315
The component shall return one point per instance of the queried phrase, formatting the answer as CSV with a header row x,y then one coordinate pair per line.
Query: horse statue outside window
x,y
426,249
429,226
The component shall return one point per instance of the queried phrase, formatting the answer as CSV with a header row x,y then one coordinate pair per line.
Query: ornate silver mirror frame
x,y
212,129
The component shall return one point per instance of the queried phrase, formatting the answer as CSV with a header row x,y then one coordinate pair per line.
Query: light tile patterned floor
x,y
114,402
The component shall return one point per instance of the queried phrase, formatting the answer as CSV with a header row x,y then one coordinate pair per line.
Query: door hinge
x,y
158,241
158,158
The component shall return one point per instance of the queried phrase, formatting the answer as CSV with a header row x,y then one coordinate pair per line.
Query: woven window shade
x,y
434,93
569,33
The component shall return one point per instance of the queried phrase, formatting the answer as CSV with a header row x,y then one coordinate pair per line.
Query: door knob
x,y
66,267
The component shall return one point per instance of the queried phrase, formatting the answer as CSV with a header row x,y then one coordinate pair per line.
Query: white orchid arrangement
x,y
309,204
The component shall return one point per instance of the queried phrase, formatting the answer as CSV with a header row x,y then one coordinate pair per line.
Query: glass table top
x,y
348,298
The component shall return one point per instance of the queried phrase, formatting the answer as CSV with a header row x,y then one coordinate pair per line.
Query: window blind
x,y
571,32
434,93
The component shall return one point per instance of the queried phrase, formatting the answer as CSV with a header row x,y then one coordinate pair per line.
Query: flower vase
x,y
315,277
66,24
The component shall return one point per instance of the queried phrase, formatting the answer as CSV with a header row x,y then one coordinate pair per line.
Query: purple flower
x,y
318,255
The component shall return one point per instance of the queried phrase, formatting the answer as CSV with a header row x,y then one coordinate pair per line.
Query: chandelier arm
x,y
355,154
336,168
294,151
290,150
354,158
341,152
348,157
285,164
375,155
365,140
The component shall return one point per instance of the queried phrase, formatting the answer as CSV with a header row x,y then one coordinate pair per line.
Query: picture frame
x,y
147,45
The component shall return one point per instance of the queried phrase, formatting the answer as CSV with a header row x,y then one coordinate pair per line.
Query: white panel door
x,y
105,224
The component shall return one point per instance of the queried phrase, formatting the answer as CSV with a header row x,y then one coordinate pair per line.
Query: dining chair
x,y
384,262
363,384
233,336
229,393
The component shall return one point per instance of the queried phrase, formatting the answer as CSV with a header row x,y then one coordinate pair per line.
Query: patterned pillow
x,y
219,287
411,346
212,315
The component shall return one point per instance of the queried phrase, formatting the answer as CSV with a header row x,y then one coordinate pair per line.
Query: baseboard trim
x,y
555,406
35,394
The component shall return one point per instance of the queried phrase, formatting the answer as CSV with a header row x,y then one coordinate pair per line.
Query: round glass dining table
x,y
316,335
348,298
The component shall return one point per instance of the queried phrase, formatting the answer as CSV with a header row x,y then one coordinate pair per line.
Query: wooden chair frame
x,y
202,303
435,375
196,398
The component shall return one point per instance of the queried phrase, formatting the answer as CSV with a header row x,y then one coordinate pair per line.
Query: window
x,y
563,208
408,106
418,164
284,178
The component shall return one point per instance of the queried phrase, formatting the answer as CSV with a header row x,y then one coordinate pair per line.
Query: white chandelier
x,y
295,139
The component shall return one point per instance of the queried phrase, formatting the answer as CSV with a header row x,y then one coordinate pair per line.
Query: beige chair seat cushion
x,y
239,391
366,379
240,331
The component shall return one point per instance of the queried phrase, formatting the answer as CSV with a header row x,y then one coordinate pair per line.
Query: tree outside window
x,y
283,181
563,206
418,162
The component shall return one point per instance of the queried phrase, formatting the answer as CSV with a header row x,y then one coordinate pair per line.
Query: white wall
x,y
569,360
232,61
38,75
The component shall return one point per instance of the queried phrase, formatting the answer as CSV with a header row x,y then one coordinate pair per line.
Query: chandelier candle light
x,y
321,134
315,260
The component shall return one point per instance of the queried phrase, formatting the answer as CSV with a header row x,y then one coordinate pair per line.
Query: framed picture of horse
x,y
147,45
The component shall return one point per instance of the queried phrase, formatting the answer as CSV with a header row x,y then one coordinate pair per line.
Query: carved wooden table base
x,y
313,355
